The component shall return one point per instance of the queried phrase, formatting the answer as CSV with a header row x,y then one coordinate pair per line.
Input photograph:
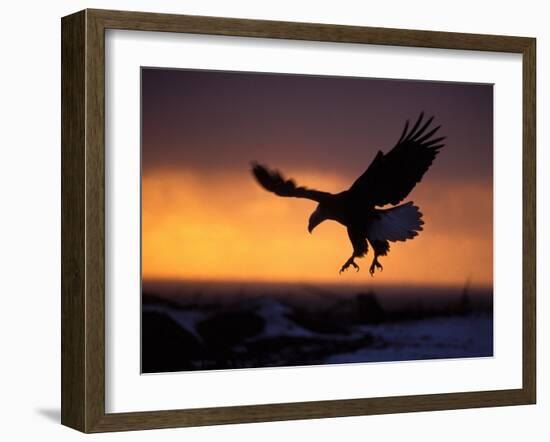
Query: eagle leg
x,y
349,262
375,265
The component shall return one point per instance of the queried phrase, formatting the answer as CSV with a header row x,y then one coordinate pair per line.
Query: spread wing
x,y
273,181
391,177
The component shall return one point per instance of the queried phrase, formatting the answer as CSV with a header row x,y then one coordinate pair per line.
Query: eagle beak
x,y
315,219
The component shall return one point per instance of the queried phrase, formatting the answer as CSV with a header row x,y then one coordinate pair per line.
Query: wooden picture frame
x,y
83,220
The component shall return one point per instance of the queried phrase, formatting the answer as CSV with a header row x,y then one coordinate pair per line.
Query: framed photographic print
x,y
269,220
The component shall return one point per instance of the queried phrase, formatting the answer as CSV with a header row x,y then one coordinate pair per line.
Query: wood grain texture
x,y
73,127
95,222
145,21
83,220
529,220
308,410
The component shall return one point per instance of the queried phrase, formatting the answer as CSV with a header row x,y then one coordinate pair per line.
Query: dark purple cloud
x,y
211,120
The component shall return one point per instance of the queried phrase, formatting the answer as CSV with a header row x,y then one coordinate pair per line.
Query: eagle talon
x,y
349,262
375,265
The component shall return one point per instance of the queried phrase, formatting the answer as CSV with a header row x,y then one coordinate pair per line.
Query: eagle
x,y
387,181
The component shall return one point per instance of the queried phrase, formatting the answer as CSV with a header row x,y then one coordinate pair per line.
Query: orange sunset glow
x,y
225,227
205,218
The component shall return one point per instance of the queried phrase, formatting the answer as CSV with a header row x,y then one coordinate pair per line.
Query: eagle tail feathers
x,y
396,224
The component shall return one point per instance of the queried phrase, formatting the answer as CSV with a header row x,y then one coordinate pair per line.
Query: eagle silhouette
x,y
388,180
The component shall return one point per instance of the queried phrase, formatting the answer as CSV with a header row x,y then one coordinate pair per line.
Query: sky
x,y
205,218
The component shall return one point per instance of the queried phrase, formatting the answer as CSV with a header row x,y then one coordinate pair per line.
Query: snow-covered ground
x,y
433,338
265,331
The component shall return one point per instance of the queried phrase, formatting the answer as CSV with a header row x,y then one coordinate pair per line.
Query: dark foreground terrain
x,y
193,331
